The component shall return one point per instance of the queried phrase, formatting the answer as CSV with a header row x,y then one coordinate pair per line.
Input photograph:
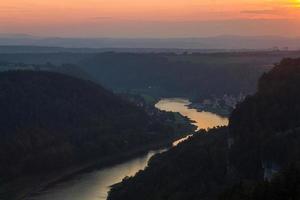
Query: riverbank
x,y
26,187
221,111
222,105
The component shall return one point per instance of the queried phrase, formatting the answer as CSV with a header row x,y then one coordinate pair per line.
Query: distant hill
x,y
218,42
188,75
53,49
68,69
192,75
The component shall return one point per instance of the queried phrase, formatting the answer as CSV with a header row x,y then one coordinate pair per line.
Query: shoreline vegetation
x,y
223,112
222,106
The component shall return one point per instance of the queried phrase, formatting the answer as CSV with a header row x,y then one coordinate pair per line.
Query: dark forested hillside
x,y
269,116
50,121
191,76
285,185
276,104
257,157
193,170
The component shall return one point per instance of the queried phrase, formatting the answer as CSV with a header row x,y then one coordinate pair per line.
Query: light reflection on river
x,y
203,120
95,185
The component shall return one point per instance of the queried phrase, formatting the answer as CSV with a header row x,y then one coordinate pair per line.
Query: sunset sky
x,y
150,18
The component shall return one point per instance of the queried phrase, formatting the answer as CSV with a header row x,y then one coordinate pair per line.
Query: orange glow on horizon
x,y
22,14
145,9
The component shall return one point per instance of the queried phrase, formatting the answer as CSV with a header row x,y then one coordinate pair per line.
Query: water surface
x,y
203,120
95,185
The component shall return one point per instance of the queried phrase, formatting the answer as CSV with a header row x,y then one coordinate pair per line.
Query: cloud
x,y
261,12
101,18
12,9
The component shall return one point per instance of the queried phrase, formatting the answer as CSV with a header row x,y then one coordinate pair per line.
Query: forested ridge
x,y
51,121
271,115
256,157
192,75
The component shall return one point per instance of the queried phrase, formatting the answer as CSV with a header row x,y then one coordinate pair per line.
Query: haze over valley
x,y
216,43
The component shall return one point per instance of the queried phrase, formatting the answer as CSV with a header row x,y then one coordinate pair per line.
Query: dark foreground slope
x,y
51,121
193,170
265,126
232,163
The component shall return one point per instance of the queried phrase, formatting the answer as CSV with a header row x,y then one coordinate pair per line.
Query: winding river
x,y
96,184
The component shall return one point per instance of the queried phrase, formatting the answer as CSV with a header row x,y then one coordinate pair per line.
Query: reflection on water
x,y
174,144
96,184
203,120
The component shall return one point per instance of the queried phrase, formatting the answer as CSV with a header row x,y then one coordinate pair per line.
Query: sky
x,y
150,18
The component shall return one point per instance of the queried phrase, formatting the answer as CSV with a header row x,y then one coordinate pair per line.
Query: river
x,y
203,120
96,184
